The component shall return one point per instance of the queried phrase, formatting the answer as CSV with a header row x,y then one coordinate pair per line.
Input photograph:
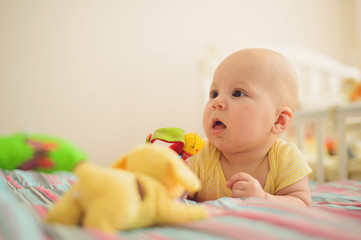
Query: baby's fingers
x,y
240,189
241,176
238,193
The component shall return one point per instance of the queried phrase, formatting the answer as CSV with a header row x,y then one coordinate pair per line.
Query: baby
x,y
253,96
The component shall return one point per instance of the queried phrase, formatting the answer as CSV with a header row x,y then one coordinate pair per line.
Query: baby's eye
x,y
213,94
238,93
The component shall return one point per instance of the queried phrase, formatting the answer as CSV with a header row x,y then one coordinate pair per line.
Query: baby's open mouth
x,y
218,125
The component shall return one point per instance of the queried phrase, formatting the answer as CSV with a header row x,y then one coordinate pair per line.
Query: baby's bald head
x,y
280,76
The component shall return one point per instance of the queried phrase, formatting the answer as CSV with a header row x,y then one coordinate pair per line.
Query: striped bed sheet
x,y
25,197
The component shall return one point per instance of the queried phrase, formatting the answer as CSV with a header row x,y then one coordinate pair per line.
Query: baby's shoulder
x,y
282,146
284,153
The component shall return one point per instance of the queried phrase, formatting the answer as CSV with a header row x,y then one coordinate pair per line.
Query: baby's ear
x,y
284,119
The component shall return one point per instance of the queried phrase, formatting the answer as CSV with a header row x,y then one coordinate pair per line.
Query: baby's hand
x,y
244,185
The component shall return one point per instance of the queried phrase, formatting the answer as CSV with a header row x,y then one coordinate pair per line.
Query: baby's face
x,y
242,106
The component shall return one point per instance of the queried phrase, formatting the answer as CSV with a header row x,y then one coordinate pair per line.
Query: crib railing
x,y
338,115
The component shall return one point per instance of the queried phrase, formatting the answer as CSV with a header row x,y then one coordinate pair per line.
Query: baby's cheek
x,y
206,121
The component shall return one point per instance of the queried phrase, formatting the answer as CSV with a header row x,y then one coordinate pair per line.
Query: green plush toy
x,y
38,152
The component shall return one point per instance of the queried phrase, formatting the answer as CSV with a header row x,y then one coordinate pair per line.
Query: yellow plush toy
x,y
138,191
193,143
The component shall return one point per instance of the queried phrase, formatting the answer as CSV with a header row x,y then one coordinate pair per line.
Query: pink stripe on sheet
x,y
337,186
48,193
343,212
296,212
52,179
108,236
350,183
156,236
330,189
103,235
229,231
9,179
41,210
356,204
309,228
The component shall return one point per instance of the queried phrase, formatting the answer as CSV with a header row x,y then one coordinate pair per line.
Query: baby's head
x,y
253,95
273,70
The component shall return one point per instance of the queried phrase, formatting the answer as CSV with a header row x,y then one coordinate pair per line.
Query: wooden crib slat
x,y
320,150
340,114
342,150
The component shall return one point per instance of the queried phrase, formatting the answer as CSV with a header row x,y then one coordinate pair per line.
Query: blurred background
x,y
105,74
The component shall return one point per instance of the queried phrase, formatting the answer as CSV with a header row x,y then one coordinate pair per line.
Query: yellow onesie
x,y
286,162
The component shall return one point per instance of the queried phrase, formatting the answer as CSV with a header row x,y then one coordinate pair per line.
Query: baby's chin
x,y
226,145
220,143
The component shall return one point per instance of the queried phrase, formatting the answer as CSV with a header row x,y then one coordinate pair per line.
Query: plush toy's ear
x,y
121,162
66,210
283,120
185,176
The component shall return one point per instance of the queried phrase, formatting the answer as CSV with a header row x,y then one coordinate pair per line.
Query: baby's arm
x,y
244,185
298,193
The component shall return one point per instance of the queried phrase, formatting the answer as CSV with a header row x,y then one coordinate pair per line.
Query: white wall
x,y
104,74
355,55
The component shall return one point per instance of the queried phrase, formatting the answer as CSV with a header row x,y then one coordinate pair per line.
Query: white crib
x,y
323,103
339,116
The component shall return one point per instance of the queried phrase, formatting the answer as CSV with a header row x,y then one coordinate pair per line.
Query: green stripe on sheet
x,y
15,221
174,232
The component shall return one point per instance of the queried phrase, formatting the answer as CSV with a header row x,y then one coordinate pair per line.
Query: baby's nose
x,y
219,103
